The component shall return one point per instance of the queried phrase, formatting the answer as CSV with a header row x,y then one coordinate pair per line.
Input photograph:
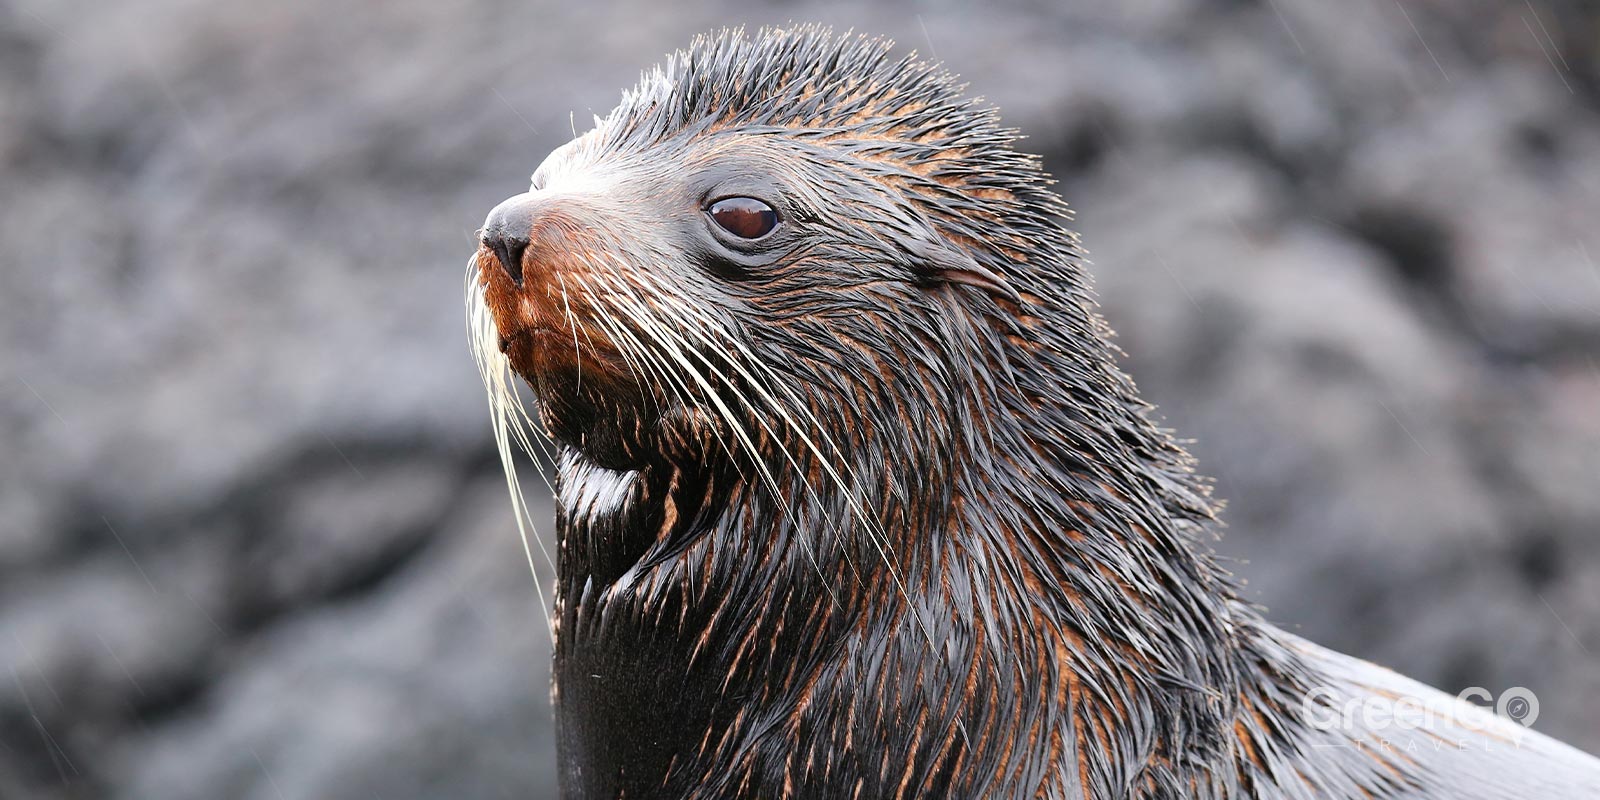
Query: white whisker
x,y
508,420
873,527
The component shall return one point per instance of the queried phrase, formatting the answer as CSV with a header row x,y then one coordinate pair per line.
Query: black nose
x,y
506,231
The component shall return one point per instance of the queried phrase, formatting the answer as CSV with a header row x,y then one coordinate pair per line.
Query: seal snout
x,y
506,233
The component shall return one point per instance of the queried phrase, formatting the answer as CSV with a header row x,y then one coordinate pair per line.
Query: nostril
x,y
509,250
506,233
509,229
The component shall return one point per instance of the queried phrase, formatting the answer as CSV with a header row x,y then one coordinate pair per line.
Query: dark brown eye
x,y
744,217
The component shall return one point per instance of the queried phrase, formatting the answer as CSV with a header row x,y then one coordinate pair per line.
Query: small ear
x,y
941,261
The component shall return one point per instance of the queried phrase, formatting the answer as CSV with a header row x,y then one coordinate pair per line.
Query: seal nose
x,y
506,232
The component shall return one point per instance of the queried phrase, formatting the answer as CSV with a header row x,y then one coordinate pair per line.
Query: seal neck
x,y
1012,621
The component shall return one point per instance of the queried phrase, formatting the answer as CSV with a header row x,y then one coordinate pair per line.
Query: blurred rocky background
x,y
254,542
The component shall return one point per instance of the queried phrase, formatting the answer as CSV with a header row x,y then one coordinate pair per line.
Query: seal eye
x,y
744,217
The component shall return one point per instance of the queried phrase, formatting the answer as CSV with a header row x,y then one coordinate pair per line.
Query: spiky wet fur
x,y
880,516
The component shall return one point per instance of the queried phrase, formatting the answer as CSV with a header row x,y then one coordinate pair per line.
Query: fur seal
x,y
853,498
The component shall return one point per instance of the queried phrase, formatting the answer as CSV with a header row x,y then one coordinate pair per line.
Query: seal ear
x,y
938,260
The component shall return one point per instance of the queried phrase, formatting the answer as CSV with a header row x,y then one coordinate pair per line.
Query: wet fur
x,y
871,511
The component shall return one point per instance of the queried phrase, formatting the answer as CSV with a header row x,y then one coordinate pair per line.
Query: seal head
x,y
773,207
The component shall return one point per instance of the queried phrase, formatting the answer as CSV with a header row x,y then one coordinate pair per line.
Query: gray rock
x,y
434,684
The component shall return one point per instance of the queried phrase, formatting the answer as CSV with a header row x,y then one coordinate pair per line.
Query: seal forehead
x,y
798,78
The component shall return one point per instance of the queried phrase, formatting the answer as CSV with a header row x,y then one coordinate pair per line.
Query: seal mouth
x,y
509,340
542,328
522,311
543,350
